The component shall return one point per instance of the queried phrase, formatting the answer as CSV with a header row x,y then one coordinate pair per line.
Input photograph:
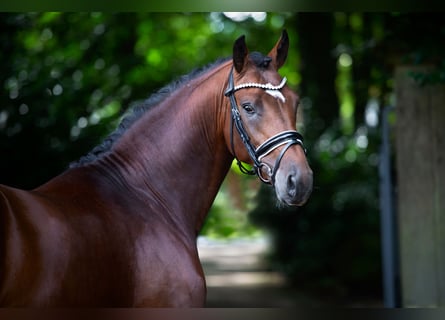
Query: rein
x,y
286,138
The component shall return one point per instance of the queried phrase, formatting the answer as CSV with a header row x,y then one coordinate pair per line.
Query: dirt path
x,y
238,276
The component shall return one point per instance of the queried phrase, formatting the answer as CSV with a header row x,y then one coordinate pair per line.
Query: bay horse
x,y
119,226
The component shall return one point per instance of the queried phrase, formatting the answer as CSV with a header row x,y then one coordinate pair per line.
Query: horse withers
x,y
119,227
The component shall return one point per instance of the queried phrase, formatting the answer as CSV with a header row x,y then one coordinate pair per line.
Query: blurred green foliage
x,y
67,78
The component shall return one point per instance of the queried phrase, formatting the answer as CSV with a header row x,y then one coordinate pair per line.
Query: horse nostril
x,y
292,184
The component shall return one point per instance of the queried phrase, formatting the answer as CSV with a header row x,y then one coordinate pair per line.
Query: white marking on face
x,y
276,94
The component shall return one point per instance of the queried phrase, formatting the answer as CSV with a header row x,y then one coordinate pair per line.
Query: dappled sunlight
x,y
241,16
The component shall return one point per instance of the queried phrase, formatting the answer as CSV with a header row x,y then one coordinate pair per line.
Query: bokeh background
x,y
67,79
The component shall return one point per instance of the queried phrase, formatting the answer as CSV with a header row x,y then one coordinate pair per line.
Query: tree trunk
x,y
421,189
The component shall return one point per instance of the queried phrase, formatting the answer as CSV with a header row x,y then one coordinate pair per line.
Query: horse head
x,y
264,113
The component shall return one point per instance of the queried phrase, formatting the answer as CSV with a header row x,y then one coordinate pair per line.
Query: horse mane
x,y
136,112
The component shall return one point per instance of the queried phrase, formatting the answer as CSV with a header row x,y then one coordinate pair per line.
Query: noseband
x,y
286,138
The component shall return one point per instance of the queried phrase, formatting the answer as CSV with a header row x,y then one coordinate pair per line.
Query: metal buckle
x,y
269,173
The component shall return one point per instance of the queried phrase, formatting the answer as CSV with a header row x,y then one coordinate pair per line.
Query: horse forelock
x,y
260,60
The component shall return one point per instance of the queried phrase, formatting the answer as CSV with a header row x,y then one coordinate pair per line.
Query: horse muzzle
x,y
293,184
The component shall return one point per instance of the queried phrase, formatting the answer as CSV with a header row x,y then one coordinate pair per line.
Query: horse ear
x,y
240,52
279,52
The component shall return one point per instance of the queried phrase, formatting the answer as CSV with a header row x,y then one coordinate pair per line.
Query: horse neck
x,y
176,153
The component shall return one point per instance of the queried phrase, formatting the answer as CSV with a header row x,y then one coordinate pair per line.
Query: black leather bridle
x,y
286,138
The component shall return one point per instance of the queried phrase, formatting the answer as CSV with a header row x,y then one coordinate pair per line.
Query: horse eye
x,y
248,108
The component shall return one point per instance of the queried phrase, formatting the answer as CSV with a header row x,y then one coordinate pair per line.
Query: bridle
x,y
286,138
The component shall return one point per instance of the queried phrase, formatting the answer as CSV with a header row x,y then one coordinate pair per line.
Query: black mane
x,y
137,111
